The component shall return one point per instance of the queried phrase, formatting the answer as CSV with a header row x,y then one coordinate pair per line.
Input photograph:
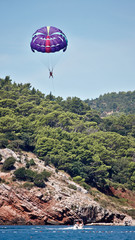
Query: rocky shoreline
x,y
55,204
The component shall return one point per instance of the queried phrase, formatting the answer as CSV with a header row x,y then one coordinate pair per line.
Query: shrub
x,y
45,174
20,174
72,186
78,179
25,174
131,212
8,164
31,162
28,185
85,186
29,174
38,181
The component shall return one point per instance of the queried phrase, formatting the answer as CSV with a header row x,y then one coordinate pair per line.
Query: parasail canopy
x,y
49,40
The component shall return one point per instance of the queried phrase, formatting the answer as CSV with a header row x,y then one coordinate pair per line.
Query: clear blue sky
x,y
101,52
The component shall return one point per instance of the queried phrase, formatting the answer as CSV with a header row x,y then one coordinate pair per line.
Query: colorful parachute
x,y
49,40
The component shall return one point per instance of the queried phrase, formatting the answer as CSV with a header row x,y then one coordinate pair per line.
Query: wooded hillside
x,y
70,135
114,103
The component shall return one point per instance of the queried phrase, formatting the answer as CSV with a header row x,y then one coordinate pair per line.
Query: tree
x,y
50,97
8,124
8,103
75,105
44,145
8,164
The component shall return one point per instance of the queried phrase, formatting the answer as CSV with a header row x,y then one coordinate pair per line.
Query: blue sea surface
x,y
67,232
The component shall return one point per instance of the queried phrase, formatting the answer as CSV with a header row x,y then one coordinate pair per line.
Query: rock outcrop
x,y
60,202
20,206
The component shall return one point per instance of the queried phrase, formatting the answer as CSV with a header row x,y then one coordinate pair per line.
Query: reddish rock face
x,y
126,194
19,206
58,203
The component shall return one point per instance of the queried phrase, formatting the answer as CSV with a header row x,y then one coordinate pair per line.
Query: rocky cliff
x,y
60,202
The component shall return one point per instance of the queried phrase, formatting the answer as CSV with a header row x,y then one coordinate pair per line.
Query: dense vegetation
x,y
24,174
122,102
68,134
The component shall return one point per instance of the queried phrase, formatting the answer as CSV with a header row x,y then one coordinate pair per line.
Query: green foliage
x,y
47,160
8,103
8,164
131,212
70,134
45,175
20,174
8,124
30,175
3,141
75,105
15,145
28,185
122,102
23,174
32,162
85,185
78,179
72,186
39,181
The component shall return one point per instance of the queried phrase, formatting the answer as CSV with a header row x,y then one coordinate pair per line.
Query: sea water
x,y
67,232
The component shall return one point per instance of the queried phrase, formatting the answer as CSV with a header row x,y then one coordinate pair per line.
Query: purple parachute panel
x,y
49,39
